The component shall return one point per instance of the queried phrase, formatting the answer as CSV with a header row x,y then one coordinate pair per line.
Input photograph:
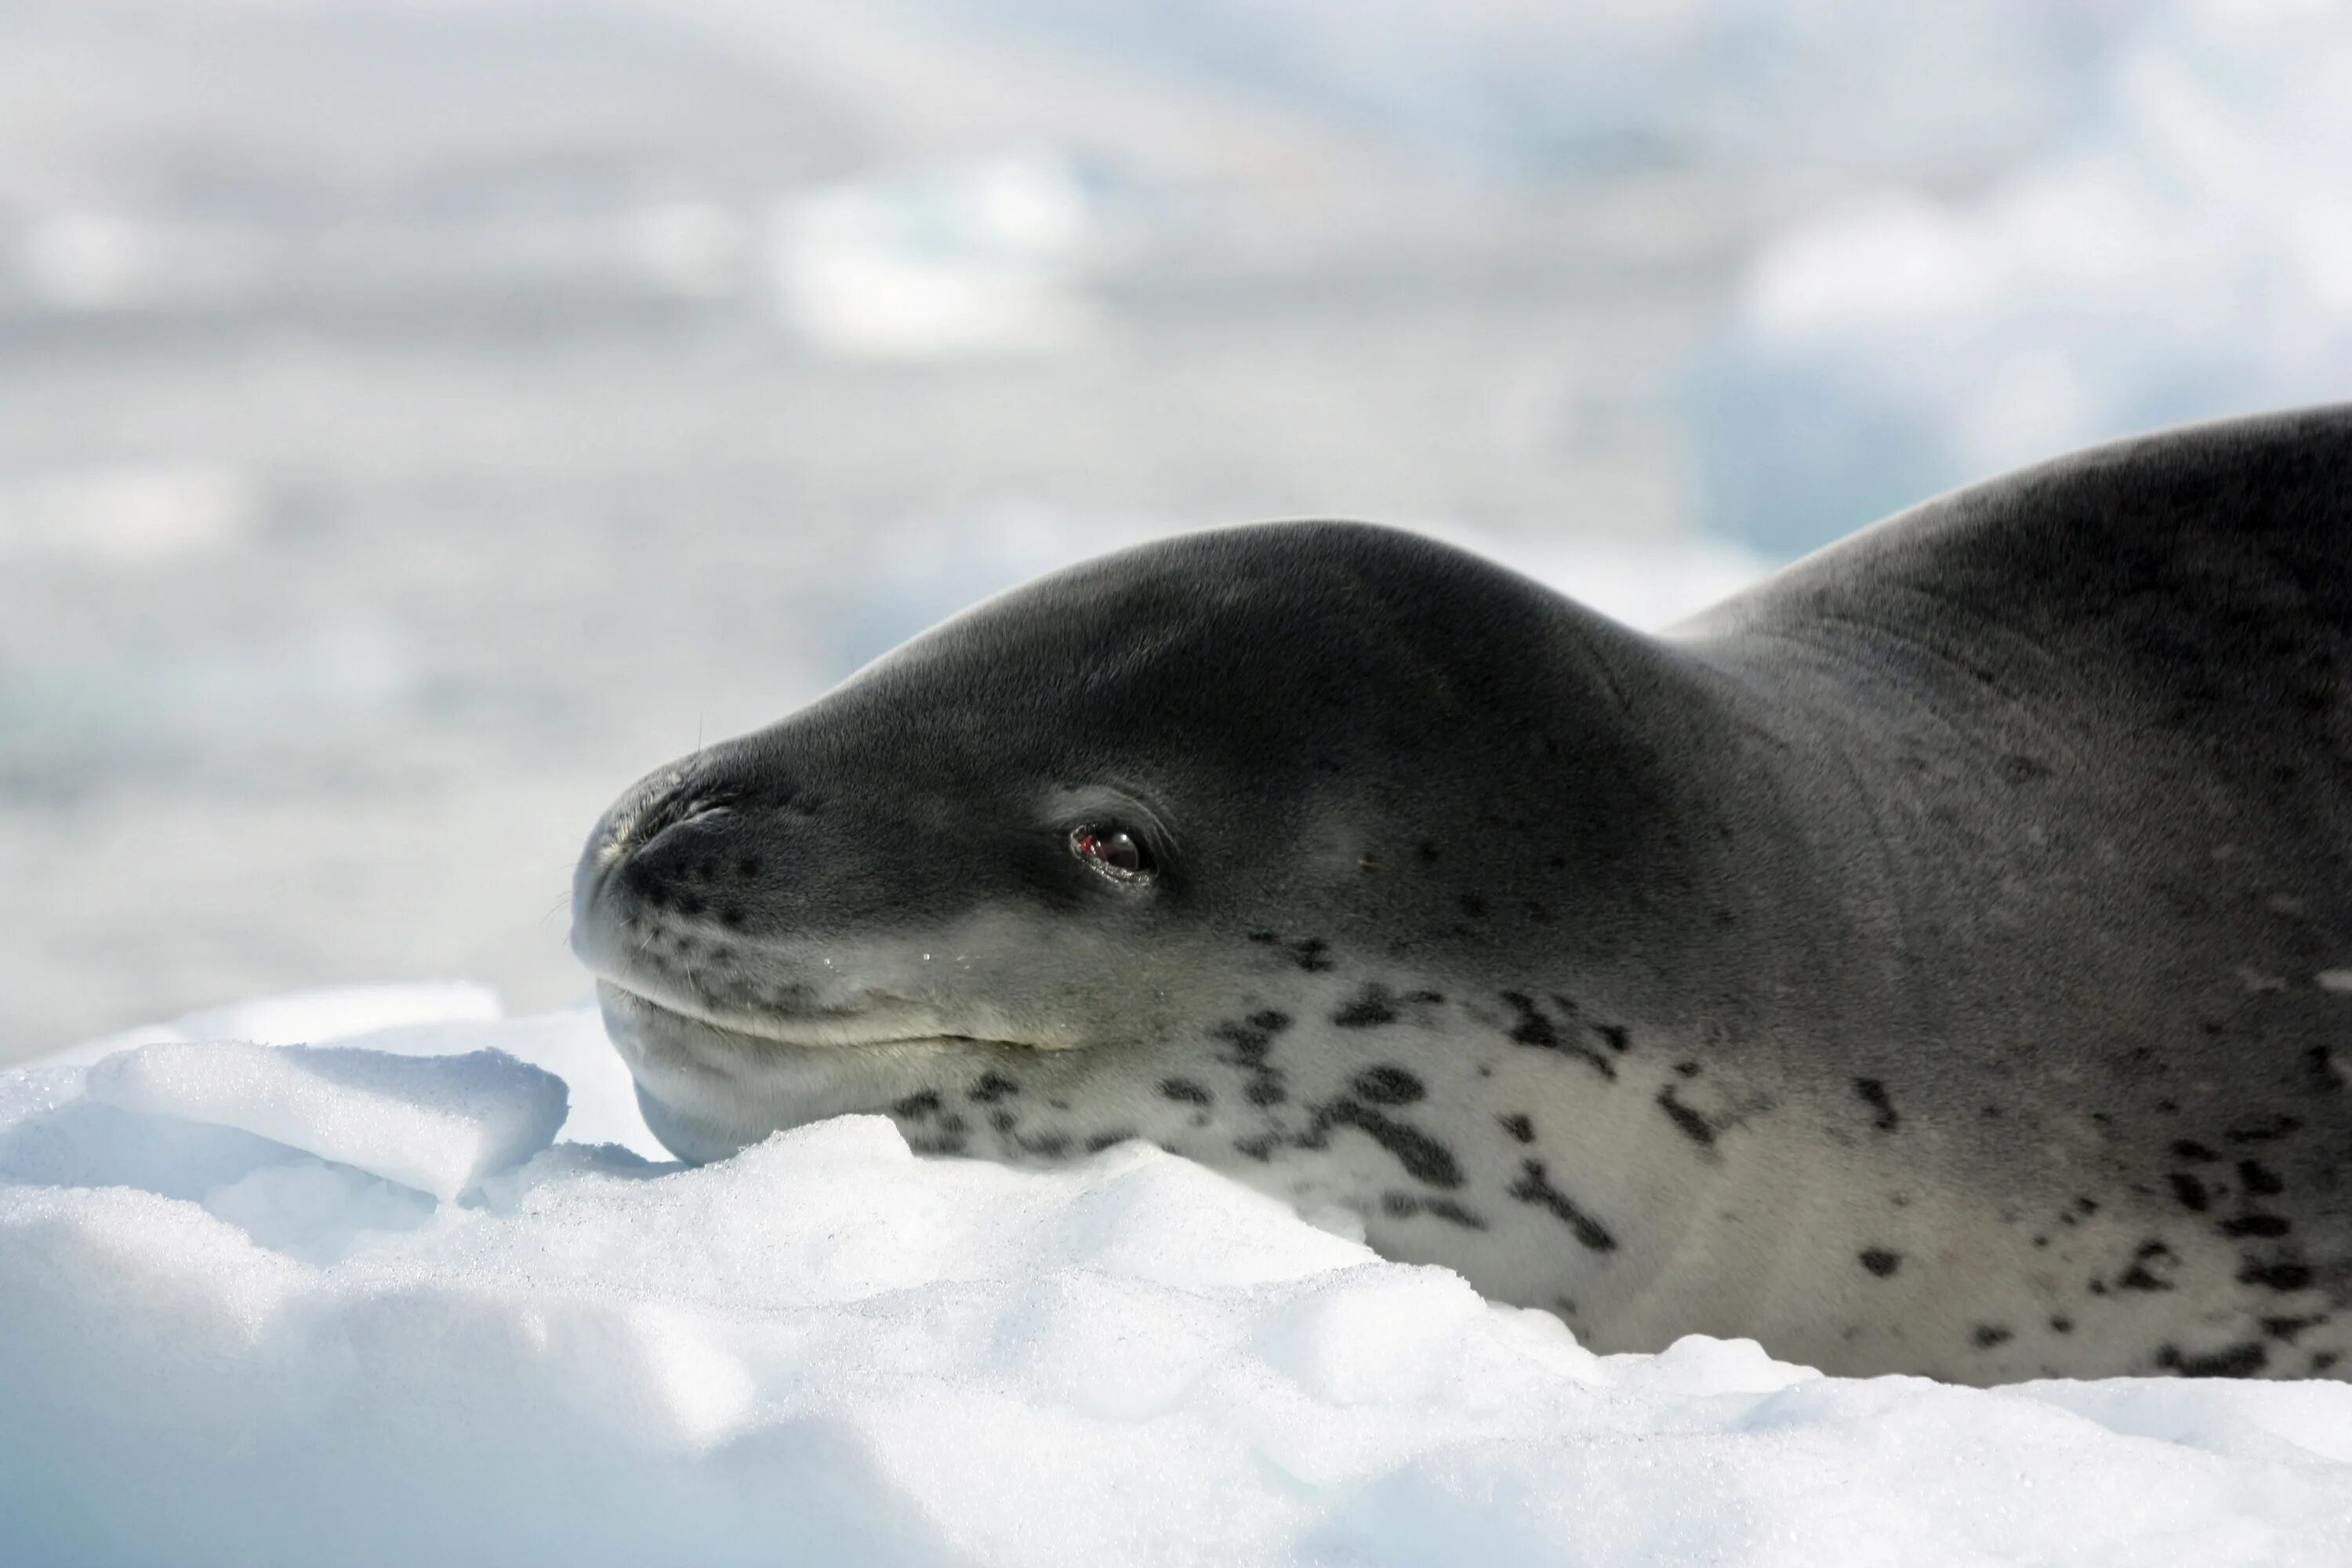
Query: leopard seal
x,y
1936,959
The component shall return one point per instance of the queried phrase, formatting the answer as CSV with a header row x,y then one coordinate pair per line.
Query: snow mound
x,y
230,1339
438,1124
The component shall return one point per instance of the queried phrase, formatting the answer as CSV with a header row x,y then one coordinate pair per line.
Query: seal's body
x,y
1936,959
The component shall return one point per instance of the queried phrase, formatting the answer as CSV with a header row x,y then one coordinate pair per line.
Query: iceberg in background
x,y
2188,255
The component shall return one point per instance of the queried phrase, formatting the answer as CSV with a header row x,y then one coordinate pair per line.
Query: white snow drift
x,y
437,1125
247,1321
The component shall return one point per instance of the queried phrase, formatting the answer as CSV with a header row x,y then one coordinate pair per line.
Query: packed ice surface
x,y
2185,253
223,1347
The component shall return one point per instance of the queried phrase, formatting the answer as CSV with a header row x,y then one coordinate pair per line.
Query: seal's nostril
x,y
659,804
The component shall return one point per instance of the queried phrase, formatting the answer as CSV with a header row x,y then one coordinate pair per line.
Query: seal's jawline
x,y
761,1030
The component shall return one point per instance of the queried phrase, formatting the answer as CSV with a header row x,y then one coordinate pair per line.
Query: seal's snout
x,y
651,854
651,808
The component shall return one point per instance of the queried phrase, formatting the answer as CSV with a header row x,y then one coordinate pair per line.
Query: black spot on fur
x,y
1388,1086
1533,1187
1472,905
1522,1128
992,1088
1260,1149
1882,1262
2190,1190
1873,1094
1185,1090
1310,955
2286,1329
1613,1036
2190,1149
2255,1224
1263,938
2264,1132
2062,1324
1986,1336
947,1143
1687,1069
2237,1361
1423,1158
2261,1180
1535,1030
1249,1044
1687,1122
2323,1361
1404,1206
2141,1276
1371,1009
1426,851
916,1107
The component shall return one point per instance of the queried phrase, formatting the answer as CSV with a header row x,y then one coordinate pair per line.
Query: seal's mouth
x,y
847,1030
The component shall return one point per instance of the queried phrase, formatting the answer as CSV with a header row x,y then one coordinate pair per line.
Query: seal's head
x,y
1084,844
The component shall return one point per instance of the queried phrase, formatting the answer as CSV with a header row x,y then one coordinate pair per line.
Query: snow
x,y
248,1321
435,1124
2184,253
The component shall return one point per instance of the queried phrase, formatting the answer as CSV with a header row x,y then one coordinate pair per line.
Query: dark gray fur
x,y
1936,959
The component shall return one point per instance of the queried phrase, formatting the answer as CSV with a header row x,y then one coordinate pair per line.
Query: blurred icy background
x,y
418,419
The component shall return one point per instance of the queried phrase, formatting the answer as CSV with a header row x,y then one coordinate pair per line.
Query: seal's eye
x,y
1113,851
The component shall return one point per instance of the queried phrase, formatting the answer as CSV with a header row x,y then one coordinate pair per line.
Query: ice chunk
x,y
435,1124
569,1045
